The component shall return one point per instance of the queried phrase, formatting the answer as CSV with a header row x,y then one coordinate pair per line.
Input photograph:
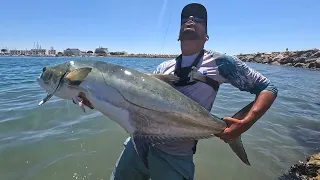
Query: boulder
x,y
317,63
299,65
309,170
316,55
286,60
299,60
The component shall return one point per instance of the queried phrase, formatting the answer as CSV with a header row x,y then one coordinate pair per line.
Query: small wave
x,y
12,118
28,173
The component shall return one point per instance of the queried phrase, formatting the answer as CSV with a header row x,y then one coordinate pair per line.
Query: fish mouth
x,y
48,96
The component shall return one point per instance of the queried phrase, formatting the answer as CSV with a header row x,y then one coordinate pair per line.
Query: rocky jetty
x,y
304,59
309,170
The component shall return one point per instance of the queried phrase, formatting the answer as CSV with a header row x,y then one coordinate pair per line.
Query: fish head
x,y
62,80
51,77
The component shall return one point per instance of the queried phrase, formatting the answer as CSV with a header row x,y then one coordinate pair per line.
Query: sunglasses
x,y
195,19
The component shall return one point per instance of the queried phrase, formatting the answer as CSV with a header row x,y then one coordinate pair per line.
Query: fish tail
x,y
237,147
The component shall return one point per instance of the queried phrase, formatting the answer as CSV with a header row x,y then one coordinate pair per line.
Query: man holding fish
x,y
173,159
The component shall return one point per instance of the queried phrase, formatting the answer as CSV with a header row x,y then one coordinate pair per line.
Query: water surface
x,y
59,141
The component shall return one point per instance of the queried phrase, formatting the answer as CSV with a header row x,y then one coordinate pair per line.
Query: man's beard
x,y
188,35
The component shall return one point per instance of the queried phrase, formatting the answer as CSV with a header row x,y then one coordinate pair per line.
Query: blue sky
x,y
145,26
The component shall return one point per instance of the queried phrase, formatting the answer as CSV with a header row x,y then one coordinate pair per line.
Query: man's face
x,y
193,28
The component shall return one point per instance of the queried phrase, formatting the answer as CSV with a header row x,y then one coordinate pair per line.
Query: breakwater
x,y
304,58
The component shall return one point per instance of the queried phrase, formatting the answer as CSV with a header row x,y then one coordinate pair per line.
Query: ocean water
x,y
59,141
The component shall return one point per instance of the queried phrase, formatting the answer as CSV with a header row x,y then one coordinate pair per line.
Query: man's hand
x,y
235,128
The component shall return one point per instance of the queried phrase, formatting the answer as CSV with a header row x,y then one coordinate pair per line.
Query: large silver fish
x,y
144,105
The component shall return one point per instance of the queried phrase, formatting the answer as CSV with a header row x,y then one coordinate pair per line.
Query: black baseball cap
x,y
196,10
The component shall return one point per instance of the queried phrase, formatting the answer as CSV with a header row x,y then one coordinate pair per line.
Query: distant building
x,y
71,52
101,51
83,53
38,51
52,51
16,52
26,52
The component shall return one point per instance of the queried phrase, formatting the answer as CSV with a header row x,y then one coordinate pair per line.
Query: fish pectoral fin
x,y
77,76
166,78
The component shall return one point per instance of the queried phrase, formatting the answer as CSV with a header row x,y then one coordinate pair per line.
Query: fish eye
x,y
44,69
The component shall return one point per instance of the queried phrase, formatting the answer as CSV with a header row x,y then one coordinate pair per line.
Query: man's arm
x,y
263,102
239,75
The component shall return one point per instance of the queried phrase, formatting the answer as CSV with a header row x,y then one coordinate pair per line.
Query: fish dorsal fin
x,y
170,79
76,77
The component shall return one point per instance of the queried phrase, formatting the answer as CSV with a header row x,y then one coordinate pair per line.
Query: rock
x,y
301,53
286,60
311,60
306,55
309,170
317,63
312,65
299,65
315,55
299,60
306,58
278,57
287,64
275,63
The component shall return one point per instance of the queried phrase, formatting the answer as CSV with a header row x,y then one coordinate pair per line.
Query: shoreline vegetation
x,y
309,59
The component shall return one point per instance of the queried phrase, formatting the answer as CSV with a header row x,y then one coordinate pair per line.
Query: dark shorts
x,y
161,165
